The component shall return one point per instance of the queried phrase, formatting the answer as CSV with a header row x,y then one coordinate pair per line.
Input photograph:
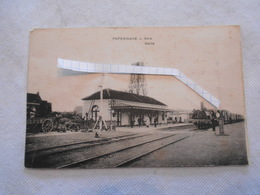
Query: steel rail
x,y
126,162
95,143
60,146
73,164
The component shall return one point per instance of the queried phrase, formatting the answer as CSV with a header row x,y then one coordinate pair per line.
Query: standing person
x,y
139,122
85,122
147,122
132,122
218,120
213,121
155,121
221,125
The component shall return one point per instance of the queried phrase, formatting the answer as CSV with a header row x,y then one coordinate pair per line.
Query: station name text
x,y
147,40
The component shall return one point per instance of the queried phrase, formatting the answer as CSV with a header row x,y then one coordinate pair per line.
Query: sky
x,y
210,56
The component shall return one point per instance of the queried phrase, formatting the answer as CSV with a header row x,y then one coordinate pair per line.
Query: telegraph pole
x,y
137,82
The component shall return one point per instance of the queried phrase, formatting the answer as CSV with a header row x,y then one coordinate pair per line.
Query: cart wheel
x,y
47,125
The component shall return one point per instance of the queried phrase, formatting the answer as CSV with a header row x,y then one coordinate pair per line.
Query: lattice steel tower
x,y
137,82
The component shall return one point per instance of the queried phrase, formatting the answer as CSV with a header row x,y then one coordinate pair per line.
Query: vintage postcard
x,y
135,97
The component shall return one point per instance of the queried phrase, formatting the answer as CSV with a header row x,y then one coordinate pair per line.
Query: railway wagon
x,y
203,119
226,115
231,117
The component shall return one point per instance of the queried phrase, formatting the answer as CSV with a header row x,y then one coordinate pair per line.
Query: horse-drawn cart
x,y
57,123
38,124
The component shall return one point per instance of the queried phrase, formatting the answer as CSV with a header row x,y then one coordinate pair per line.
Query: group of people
x,y
146,121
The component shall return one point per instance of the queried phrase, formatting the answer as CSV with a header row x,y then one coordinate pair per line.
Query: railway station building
x,y
123,108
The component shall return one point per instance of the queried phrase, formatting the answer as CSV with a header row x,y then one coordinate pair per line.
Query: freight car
x,y
203,119
231,117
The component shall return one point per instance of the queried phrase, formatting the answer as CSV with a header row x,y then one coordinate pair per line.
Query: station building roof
x,y
120,95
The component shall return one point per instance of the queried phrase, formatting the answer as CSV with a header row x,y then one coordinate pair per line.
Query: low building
x,y
36,107
123,108
179,116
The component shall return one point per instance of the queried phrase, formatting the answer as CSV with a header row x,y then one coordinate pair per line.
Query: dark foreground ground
x,y
202,148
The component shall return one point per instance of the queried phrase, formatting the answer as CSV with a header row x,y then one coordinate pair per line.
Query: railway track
x,y
126,155
137,157
117,151
31,157
65,147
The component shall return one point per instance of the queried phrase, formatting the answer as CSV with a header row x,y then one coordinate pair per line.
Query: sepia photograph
x,y
100,119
